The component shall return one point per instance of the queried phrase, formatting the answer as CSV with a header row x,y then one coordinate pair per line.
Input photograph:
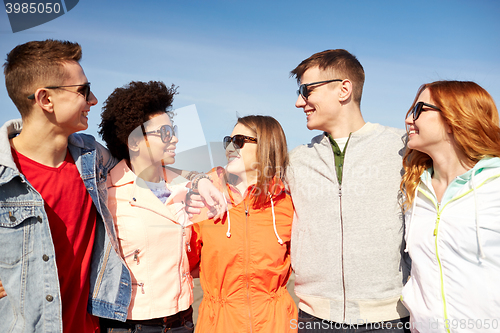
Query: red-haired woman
x,y
452,186
245,258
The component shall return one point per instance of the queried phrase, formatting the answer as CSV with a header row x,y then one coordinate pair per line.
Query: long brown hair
x,y
472,115
272,157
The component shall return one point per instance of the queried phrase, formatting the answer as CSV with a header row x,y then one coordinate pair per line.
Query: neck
x,y
44,144
149,173
448,164
349,120
245,180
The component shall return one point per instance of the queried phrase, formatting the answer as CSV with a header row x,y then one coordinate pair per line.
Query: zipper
x,y
436,233
342,253
188,246
140,284
438,219
135,253
181,274
246,266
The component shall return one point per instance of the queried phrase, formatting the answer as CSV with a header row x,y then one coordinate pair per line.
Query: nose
x,y
92,99
230,148
409,120
301,102
174,139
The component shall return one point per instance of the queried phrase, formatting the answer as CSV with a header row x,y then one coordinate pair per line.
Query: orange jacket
x,y
244,276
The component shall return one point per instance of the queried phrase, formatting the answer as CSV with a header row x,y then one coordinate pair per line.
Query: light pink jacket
x,y
154,242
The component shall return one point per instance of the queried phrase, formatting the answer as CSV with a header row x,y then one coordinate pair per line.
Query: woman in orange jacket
x,y
245,258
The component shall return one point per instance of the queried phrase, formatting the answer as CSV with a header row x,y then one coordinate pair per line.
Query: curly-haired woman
x,y
147,204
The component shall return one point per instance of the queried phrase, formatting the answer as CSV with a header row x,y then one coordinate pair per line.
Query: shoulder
x,y
82,140
319,140
384,137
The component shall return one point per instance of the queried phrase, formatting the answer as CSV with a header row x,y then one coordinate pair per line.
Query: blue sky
x,y
234,57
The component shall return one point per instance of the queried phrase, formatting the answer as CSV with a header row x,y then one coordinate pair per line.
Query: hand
x,y
213,199
194,204
2,291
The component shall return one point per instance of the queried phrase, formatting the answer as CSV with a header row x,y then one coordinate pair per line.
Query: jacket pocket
x,y
16,223
8,315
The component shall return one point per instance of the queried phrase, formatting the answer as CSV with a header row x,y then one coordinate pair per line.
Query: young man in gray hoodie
x,y
348,233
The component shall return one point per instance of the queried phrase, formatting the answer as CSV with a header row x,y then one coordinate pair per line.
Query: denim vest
x,y
27,258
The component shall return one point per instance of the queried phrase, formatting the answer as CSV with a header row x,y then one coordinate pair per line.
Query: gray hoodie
x,y
347,240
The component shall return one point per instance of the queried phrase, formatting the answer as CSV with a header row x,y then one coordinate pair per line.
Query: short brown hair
x,y
345,65
37,64
272,156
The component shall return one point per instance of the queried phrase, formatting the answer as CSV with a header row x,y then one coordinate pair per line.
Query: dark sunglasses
x,y
84,90
166,132
238,140
304,92
418,108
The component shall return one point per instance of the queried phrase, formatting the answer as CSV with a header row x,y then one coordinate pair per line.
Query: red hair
x,y
472,115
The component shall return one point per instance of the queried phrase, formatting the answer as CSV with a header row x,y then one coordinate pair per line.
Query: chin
x,y
169,160
232,170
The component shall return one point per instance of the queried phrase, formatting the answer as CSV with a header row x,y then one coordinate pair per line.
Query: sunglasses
x,y
84,90
238,140
418,108
166,132
304,92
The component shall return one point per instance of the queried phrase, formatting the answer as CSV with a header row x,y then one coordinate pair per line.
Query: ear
x,y
448,128
44,100
345,91
133,145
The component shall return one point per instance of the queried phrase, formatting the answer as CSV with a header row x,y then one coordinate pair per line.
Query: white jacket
x,y
455,250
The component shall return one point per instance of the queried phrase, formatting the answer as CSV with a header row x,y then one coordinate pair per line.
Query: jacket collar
x,y
9,130
141,196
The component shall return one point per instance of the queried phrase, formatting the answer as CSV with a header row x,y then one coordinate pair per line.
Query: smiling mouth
x,y
308,113
85,113
413,132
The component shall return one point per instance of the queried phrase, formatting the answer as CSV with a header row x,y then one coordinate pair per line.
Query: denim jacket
x,y
27,259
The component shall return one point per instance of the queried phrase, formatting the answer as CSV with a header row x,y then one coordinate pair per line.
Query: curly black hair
x,y
129,107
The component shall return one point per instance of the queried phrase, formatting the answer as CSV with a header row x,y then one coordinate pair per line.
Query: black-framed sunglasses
x,y
238,140
166,132
84,90
304,92
418,108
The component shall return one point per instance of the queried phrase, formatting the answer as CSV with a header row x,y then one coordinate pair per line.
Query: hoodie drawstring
x,y
478,235
228,233
274,221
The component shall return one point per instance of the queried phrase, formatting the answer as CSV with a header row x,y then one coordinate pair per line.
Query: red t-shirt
x,y
72,221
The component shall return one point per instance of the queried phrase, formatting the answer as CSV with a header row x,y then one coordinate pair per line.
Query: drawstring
x,y
228,233
478,235
274,221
